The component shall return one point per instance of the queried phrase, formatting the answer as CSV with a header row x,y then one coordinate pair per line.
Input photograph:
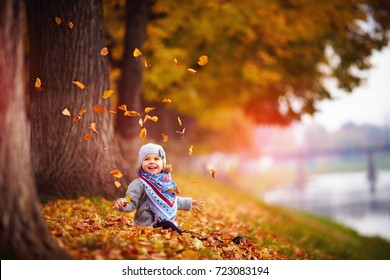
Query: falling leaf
x,y
147,65
58,20
179,120
87,137
66,112
70,24
116,173
192,71
165,137
76,118
137,52
92,127
117,184
203,60
112,112
131,114
141,122
123,107
78,84
176,61
181,132
104,51
38,84
190,150
154,118
149,109
212,173
107,93
99,109
142,133
166,100
128,197
82,112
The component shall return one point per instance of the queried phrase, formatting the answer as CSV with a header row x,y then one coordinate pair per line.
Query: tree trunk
x,y
65,165
130,84
23,233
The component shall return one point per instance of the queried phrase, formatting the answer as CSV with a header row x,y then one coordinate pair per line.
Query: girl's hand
x,y
197,205
120,203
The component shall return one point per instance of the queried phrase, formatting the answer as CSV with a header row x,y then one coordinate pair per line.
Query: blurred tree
x,y
23,233
66,38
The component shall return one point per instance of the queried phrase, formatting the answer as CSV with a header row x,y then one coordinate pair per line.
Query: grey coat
x,y
139,202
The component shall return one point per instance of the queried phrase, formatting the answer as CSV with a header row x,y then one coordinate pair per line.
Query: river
x,y
344,197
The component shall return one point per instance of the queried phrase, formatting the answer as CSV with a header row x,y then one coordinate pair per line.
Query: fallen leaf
x,y
203,60
166,100
92,127
116,173
137,52
142,133
99,109
58,20
104,51
78,84
66,112
87,137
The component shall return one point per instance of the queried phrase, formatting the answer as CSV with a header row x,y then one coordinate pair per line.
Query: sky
x,y
367,104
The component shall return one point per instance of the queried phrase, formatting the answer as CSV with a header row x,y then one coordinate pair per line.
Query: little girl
x,y
153,194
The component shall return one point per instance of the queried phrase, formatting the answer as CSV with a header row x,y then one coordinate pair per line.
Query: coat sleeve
x,y
135,190
184,203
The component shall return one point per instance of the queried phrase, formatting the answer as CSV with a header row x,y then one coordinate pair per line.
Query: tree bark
x,y
130,84
65,165
23,233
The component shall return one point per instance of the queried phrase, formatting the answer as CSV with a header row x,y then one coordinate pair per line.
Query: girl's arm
x,y
187,203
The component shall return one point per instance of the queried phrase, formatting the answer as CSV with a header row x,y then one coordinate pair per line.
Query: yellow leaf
x,y
128,197
142,133
123,107
107,93
147,65
137,52
181,132
58,20
166,100
190,150
203,60
112,112
179,120
165,137
192,71
78,84
117,184
141,122
104,51
38,84
92,127
176,61
66,112
99,109
87,137
131,114
149,109
82,112
70,24
154,118
116,173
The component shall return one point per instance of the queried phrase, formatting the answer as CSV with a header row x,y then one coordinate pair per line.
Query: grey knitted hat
x,y
151,148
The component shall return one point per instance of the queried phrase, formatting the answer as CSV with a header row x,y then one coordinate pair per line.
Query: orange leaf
x,y
190,150
87,137
203,60
38,84
112,112
154,118
104,51
82,112
116,173
99,109
192,71
149,109
212,173
131,114
66,112
76,118
57,20
107,93
165,137
92,127
166,100
70,24
117,184
123,107
137,52
78,84
142,133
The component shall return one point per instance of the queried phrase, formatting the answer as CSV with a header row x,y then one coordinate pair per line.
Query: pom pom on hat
x,y
151,148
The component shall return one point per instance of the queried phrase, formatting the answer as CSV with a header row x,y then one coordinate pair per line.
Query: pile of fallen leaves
x,y
88,228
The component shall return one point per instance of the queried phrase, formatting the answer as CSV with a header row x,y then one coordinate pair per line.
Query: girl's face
x,y
152,164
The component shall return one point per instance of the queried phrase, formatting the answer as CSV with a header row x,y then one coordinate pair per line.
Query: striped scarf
x,y
160,190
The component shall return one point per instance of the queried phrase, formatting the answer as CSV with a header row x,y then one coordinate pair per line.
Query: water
x,y
344,197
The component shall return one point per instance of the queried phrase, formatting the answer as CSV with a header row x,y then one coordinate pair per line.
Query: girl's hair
x,y
167,168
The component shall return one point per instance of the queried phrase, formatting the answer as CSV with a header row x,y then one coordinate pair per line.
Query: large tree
x,y
66,38
23,233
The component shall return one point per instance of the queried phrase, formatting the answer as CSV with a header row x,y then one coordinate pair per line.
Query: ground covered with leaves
x,y
88,228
